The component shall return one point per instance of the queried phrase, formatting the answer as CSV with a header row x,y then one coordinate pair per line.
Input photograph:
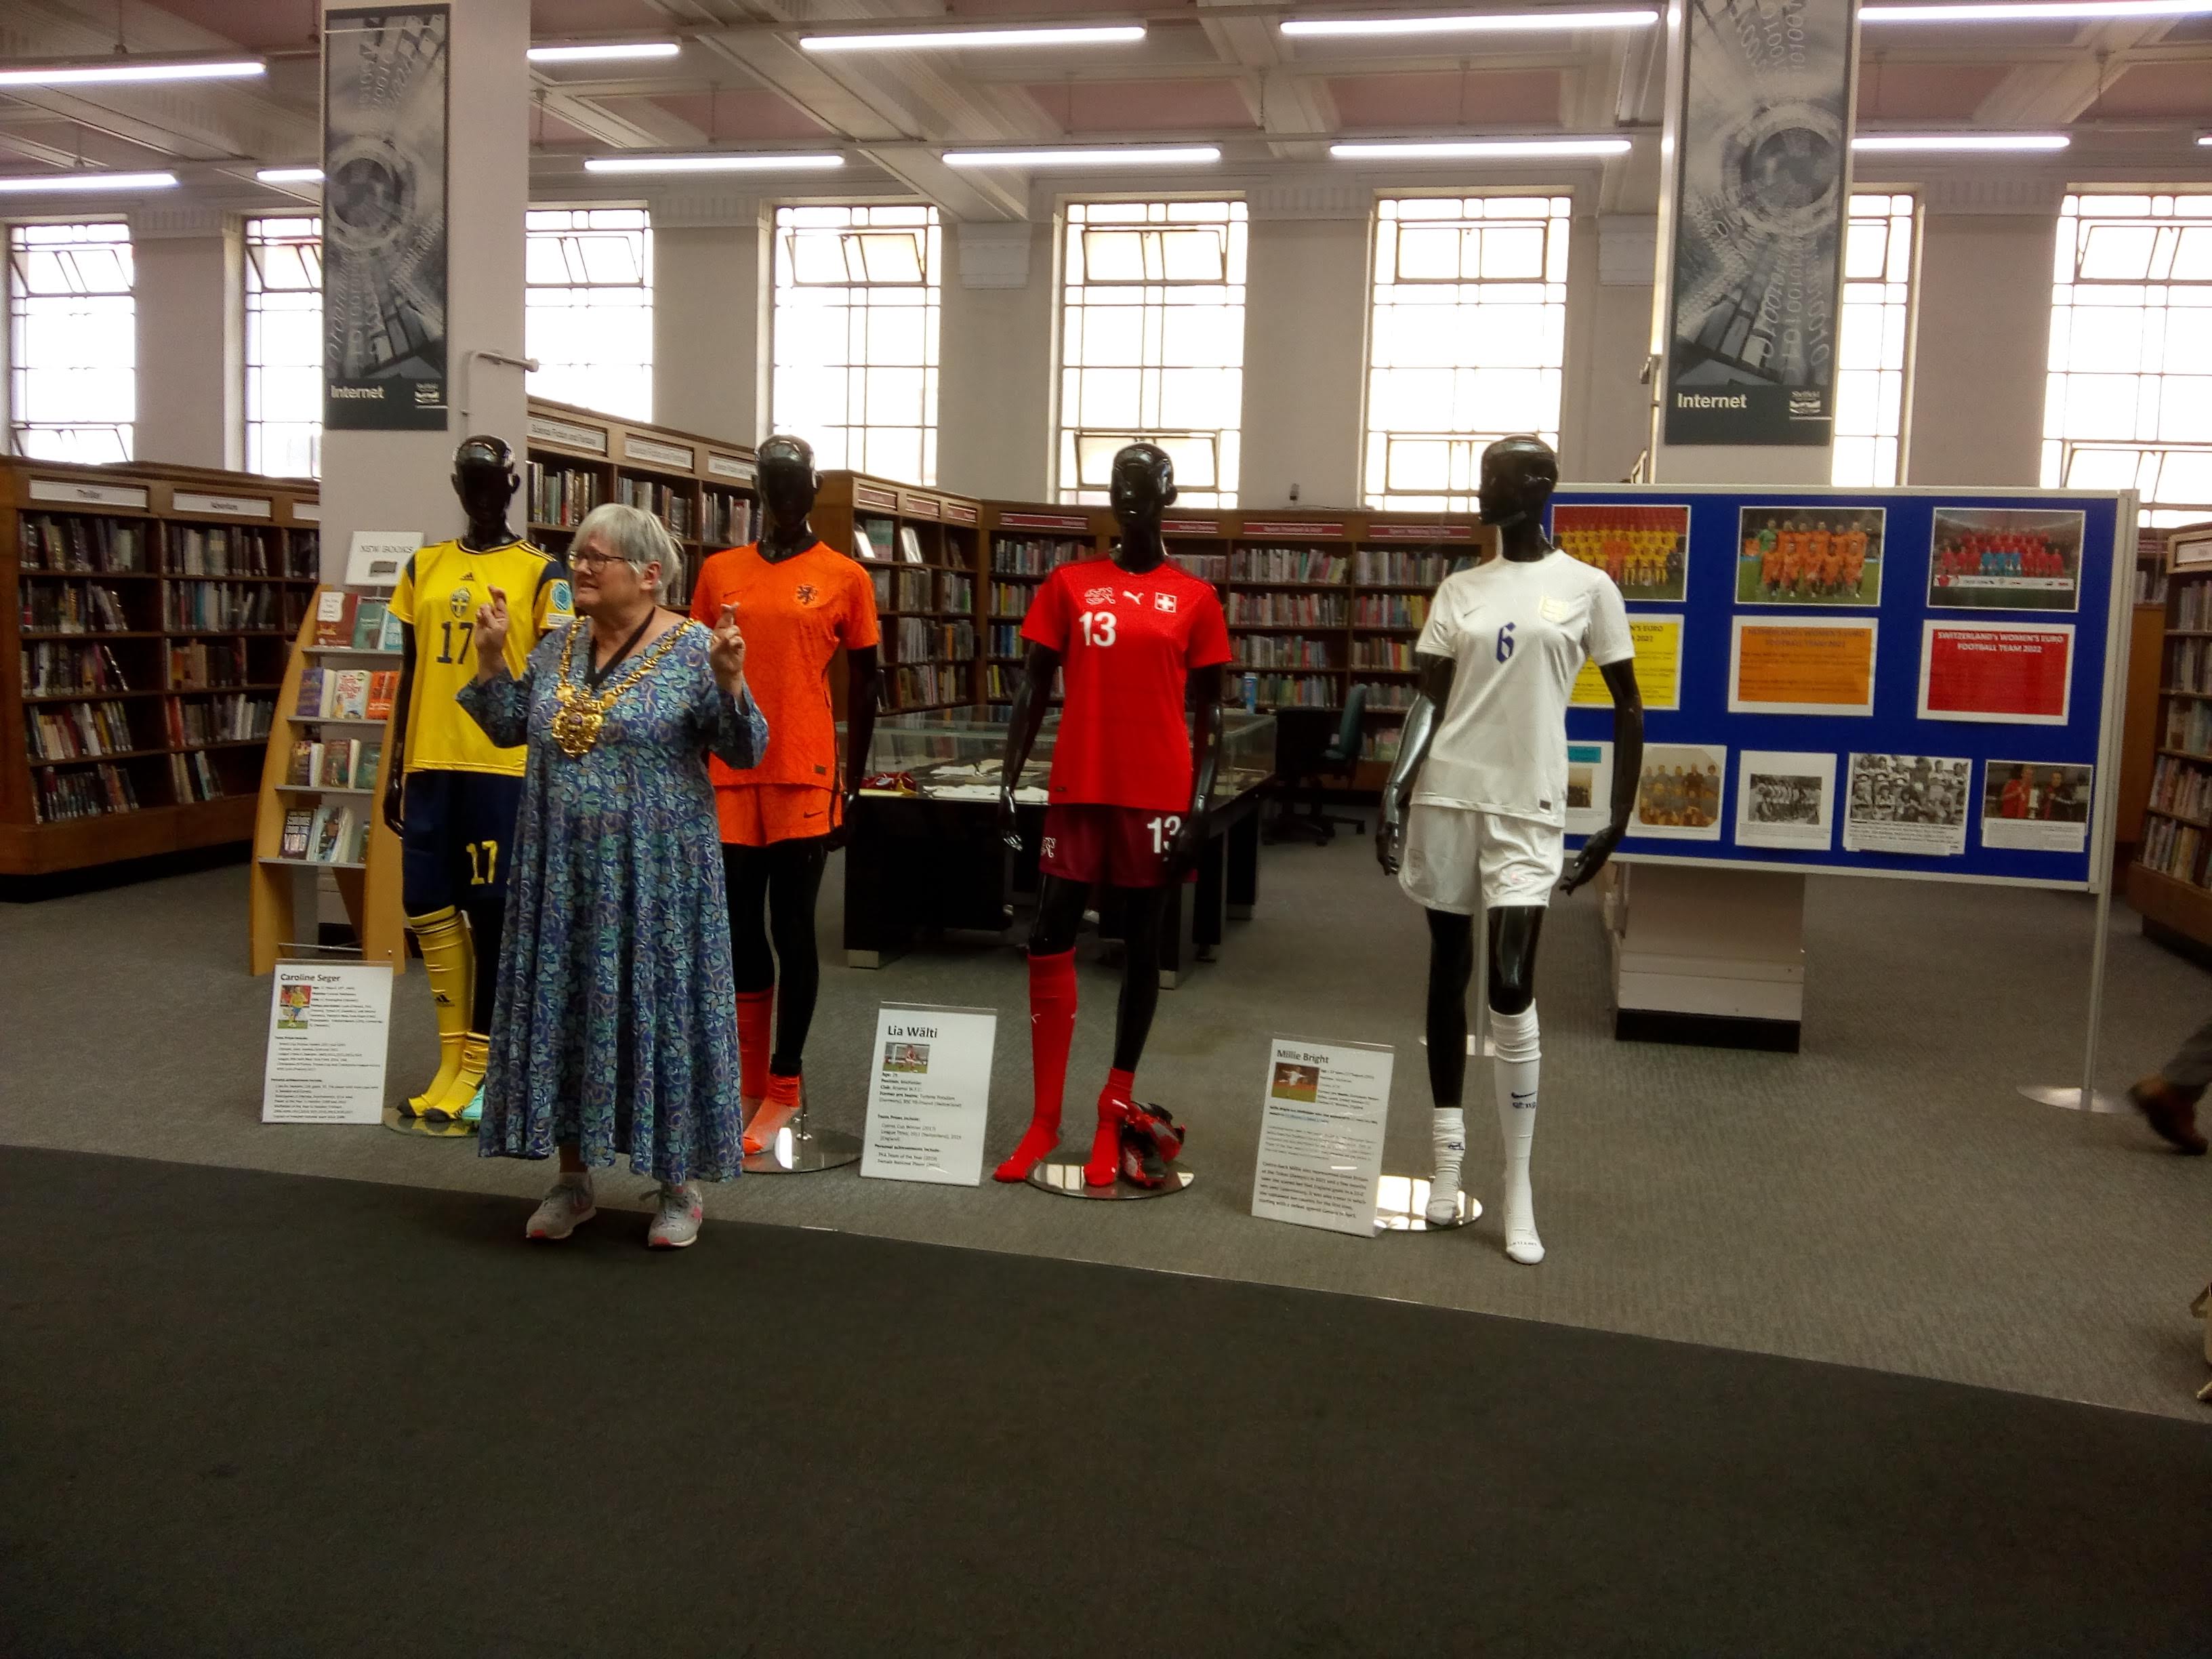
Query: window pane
x,y
588,307
1873,325
72,341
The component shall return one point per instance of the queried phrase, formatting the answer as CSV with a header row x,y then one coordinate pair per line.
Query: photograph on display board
x,y
1298,1082
909,1057
1801,665
1996,673
1908,803
1785,799
1677,793
1645,549
1590,787
1809,555
2005,558
2039,805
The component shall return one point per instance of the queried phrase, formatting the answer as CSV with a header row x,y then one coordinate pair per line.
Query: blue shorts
x,y
455,839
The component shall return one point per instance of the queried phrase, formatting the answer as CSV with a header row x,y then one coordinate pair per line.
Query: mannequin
x,y
452,795
799,602
1474,809
1138,638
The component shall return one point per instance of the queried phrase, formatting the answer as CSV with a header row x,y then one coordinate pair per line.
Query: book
x,y
909,544
309,707
383,687
336,769
366,756
368,623
357,844
299,827
334,617
392,636
333,829
301,773
862,546
348,696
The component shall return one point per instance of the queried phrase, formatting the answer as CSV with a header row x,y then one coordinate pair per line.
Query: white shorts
x,y
1461,861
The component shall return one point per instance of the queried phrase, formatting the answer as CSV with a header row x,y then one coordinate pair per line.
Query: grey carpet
x,y
1882,1199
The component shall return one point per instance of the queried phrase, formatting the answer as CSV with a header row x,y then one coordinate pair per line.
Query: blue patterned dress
x,y
614,1028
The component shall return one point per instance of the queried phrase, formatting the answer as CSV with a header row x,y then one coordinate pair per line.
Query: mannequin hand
x,y
1390,838
1591,859
491,633
395,798
727,656
1189,843
842,835
1009,822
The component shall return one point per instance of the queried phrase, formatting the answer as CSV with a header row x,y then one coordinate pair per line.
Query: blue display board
x,y
1983,715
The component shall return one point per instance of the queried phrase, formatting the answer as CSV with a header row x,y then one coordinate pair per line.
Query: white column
x,y
712,297
400,480
190,323
998,355
1605,421
1305,347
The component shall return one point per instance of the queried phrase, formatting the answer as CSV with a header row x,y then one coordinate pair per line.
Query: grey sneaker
x,y
676,1221
563,1209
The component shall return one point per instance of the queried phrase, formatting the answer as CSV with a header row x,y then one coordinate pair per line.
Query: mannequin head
x,y
1518,475
1142,485
485,480
789,483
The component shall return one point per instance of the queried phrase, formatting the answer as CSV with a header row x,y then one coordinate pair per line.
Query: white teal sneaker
x,y
473,1112
563,1209
675,1220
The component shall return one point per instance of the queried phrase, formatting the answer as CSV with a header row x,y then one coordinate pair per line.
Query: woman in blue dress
x,y
615,1028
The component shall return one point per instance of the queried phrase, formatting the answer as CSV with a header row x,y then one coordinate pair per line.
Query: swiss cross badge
x,y
1164,601
1098,596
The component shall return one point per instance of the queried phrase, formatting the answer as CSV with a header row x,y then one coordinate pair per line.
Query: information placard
x,y
376,557
929,1100
1323,1110
329,1028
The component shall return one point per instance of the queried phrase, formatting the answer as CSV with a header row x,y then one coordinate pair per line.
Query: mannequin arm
x,y
395,743
1433,692
862,674
1205,761
1023,721
1627,768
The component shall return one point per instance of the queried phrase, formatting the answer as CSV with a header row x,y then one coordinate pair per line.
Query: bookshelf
x,y
706,491
925,546
343,781
2168,884
146,626
1023,545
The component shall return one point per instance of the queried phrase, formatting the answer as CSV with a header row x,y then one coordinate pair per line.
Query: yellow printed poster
x,y
1806,665
1658,667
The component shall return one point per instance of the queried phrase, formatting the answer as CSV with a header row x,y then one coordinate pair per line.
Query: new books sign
x,y
1762,184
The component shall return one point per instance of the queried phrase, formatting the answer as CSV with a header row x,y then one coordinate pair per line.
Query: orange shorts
x,y
755,814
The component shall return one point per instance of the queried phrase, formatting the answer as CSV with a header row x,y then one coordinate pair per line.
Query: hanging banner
x,y
1760,192
385,91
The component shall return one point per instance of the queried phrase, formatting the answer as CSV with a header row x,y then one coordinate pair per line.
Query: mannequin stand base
x,y
1067,1179
1401,1200
799,1148
2068,1099
430,1128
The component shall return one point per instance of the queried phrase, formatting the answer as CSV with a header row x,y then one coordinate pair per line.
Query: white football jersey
x,y
1518,632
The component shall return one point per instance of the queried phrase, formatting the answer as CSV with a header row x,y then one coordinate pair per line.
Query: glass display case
x,y
954,755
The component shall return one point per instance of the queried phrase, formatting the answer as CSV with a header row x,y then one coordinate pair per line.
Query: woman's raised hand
x,y
727,656
491,633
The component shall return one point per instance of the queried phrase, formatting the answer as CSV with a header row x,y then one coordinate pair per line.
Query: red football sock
x,y
1115,1106
1052,1028
756,1012
777,1108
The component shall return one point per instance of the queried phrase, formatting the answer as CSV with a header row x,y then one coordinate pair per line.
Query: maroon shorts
x,y
1119,846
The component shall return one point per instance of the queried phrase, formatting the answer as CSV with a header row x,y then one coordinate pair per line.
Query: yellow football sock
x,y
449,961
475,1053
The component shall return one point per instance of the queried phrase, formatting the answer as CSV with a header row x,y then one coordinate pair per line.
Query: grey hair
x,y
636,537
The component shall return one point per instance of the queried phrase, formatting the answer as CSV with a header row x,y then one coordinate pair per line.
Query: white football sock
x,y
1518,1056
1448,1136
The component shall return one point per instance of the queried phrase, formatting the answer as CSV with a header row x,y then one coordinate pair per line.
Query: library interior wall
x,y
188,283
1982,348
711,291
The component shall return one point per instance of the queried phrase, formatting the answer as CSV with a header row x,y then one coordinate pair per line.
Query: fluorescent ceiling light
x,y
2033,11
950,39
1120,155
600,52
92,71
289,175
2206,141
755,161
1491,22
1960,141
1464,149
64,183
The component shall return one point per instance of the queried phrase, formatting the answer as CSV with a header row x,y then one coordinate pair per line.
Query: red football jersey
x,y
1126,645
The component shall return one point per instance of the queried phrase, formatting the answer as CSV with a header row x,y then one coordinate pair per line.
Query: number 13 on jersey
x,y
1098,627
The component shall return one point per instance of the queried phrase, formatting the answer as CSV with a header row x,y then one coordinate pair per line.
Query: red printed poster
x,y
2001,673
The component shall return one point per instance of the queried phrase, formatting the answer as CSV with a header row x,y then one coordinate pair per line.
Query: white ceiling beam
x,y
2053,94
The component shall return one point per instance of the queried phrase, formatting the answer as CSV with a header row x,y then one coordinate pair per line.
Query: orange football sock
x,y
777,1108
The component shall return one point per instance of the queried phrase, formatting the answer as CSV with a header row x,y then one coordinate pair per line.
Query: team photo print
x,y
2041,805
1785,799
1810,556
1677,793
1908,803
2005,559
1645,548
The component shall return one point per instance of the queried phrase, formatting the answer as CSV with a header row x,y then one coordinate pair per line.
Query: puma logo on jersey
x,y
1098,596
1134,598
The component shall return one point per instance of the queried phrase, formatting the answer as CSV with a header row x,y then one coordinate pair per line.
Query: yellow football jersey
x,y
437,596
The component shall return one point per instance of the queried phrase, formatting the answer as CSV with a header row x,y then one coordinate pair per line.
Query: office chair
x,y
1309,768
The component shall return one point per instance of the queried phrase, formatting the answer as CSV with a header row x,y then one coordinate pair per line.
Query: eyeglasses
x,y
595,558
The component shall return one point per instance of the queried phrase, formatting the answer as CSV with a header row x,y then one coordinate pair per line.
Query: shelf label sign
x,y
1290,527
307,511
884,500
1043,521
244,506
546,429
1420,532
90,494
651,449
1189,527
329,1031
958,513
929,1098
377,556
1322,1112
732,466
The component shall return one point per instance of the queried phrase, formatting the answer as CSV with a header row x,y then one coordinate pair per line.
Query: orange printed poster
x,y
1804,665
